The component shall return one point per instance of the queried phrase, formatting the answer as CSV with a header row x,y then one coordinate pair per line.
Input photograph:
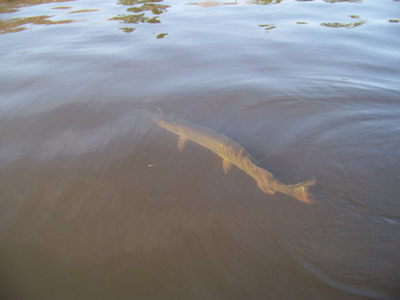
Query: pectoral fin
x,y
265,189
226,165
181,142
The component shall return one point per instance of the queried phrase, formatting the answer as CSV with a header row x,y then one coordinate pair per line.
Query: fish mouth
x,y
156,119
160,121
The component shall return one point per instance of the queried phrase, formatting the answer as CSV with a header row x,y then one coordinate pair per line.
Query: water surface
x,y
97,202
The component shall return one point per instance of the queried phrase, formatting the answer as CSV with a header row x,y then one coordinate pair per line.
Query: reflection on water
x,y
142,12
267,26
161,35
15,5
138,10
62,7
15,25
211,3
337,1
343,25
334,1
264,2
82,11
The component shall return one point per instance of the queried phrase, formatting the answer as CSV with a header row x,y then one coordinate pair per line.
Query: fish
x,y
232,153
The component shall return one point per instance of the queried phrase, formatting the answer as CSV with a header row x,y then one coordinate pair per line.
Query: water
x,y
96,202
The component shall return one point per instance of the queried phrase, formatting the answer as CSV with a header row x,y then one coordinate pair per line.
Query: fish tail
x,y
301,192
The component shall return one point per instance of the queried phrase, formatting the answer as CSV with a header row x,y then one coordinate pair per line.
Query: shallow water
x,y
97,202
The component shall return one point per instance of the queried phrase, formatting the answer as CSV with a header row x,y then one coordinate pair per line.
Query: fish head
x,y
167,123
158,120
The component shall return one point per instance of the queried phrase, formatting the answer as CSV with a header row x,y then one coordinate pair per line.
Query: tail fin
x,y
300,191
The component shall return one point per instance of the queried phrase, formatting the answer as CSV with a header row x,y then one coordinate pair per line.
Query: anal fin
x,y
226,165
181,142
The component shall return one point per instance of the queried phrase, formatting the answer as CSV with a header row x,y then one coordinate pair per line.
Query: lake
x,y
96,200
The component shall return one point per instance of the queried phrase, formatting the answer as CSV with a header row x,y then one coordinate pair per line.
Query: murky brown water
x,y
96,202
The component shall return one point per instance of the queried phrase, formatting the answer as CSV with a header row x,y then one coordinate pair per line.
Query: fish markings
x,y
232,153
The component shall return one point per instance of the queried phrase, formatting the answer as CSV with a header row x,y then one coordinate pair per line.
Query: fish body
x,y
232,153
